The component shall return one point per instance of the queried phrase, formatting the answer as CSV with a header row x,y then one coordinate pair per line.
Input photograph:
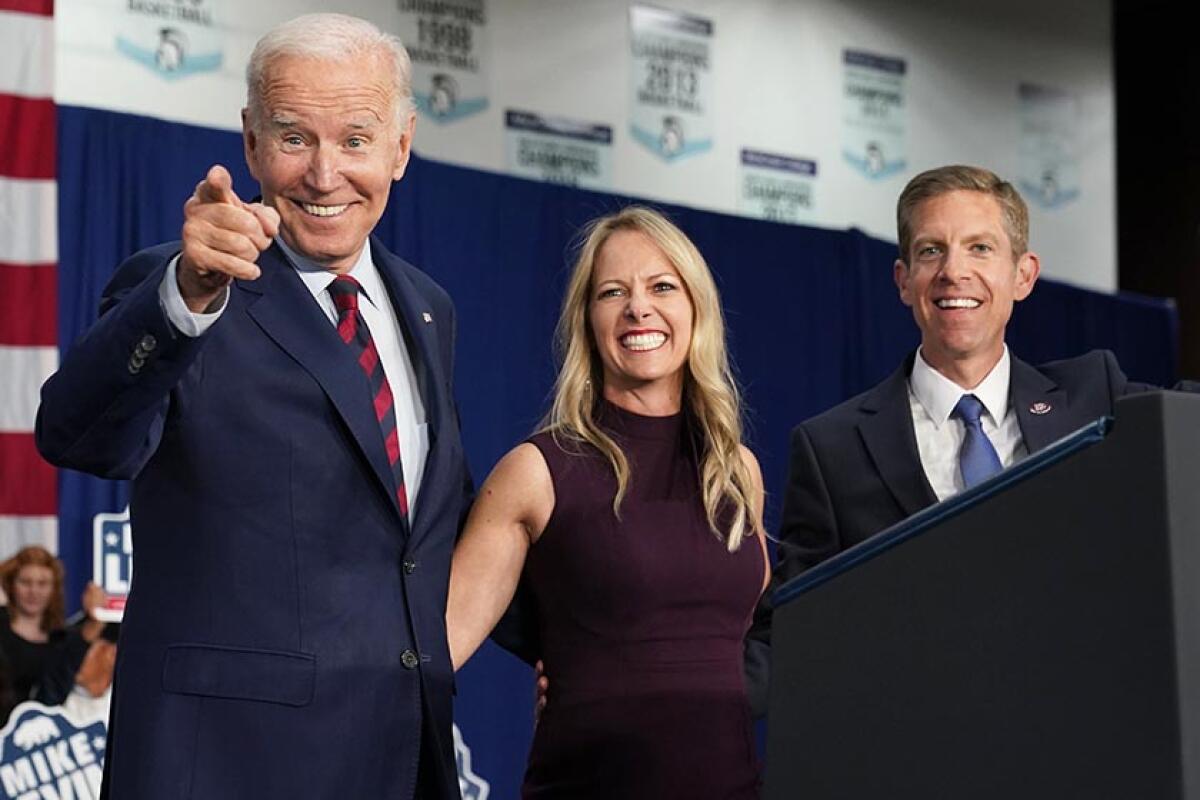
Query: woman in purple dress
x,y
635,514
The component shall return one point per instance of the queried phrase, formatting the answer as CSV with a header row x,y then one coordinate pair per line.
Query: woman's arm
x,y
509,514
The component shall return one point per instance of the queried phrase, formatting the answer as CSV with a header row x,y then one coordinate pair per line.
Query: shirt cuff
x,y
186,321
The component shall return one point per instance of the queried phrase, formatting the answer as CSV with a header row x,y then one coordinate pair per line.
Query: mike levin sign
x,y
112,562
46,755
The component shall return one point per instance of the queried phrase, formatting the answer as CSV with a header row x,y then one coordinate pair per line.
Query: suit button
x,y
148,342
409,567
409,659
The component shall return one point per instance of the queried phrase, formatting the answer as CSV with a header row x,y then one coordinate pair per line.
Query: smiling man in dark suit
x,y
278,388
959,409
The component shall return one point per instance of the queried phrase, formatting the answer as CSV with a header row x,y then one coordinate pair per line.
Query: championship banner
x,y
1049,149
173,38
873,113
47,754
671,75
777,188
558,150
112,562
447,41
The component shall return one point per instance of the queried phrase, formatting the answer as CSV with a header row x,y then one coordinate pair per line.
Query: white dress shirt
x,y
932,398
379,314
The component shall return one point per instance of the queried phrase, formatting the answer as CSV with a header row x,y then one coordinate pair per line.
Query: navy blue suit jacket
x,y
855,470
285,633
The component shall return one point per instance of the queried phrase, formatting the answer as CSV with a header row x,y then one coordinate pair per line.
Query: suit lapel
x,y
1043,407
288,314
421,331
887,432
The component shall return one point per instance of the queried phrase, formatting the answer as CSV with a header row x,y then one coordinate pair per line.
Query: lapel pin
x,y
1040,408
425,315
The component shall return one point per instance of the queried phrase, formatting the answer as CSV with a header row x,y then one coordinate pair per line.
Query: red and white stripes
x,y
28,268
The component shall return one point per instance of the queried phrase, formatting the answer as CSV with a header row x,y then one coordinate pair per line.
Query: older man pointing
x,y
277,385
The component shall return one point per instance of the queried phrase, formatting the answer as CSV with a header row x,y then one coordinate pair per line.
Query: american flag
x,y
28,268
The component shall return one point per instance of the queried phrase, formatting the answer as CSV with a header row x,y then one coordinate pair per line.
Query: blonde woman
x,y
635,513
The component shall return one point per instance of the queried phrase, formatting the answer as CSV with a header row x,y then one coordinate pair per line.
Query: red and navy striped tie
x,y
353,330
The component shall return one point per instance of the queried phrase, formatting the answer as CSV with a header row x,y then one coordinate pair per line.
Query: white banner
x,y
777,188
174,38
1049,149
874,116
671,80
449,46
559,150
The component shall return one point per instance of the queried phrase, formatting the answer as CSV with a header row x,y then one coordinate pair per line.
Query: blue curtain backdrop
x,y
813,318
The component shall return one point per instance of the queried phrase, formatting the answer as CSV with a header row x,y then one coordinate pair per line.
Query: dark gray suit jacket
x,y
855,470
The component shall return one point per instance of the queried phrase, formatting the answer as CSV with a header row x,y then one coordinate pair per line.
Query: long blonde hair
x,y
710,394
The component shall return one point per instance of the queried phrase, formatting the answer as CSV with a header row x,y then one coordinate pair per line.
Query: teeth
x,y
324,211
958,302
643,341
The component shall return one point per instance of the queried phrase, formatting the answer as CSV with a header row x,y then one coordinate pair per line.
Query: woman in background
x,y
635,513
42,654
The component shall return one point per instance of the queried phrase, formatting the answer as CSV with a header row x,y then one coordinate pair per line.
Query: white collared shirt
x,y
379,314
932,398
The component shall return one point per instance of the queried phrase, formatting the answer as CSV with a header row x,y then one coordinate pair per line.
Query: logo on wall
x,y
471,785
443,94
112,562
46,754
174,38
448,43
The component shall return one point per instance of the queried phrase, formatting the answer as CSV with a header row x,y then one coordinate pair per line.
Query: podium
x,y
1037,636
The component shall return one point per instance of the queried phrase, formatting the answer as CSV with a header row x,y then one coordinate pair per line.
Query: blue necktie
x,y
977,458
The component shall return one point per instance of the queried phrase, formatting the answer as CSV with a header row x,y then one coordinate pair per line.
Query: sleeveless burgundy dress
x,y
642,622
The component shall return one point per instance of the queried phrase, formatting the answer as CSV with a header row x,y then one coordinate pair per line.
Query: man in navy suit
x,y
911,441
278,388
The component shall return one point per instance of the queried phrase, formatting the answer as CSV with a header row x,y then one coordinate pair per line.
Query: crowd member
x,y
278,388
91,694
41,652
960,408
635,514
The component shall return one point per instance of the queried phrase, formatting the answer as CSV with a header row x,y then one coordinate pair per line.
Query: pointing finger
x,y
217,187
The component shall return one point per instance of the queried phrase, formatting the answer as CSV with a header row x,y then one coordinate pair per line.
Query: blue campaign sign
x,y
112,561
44,753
